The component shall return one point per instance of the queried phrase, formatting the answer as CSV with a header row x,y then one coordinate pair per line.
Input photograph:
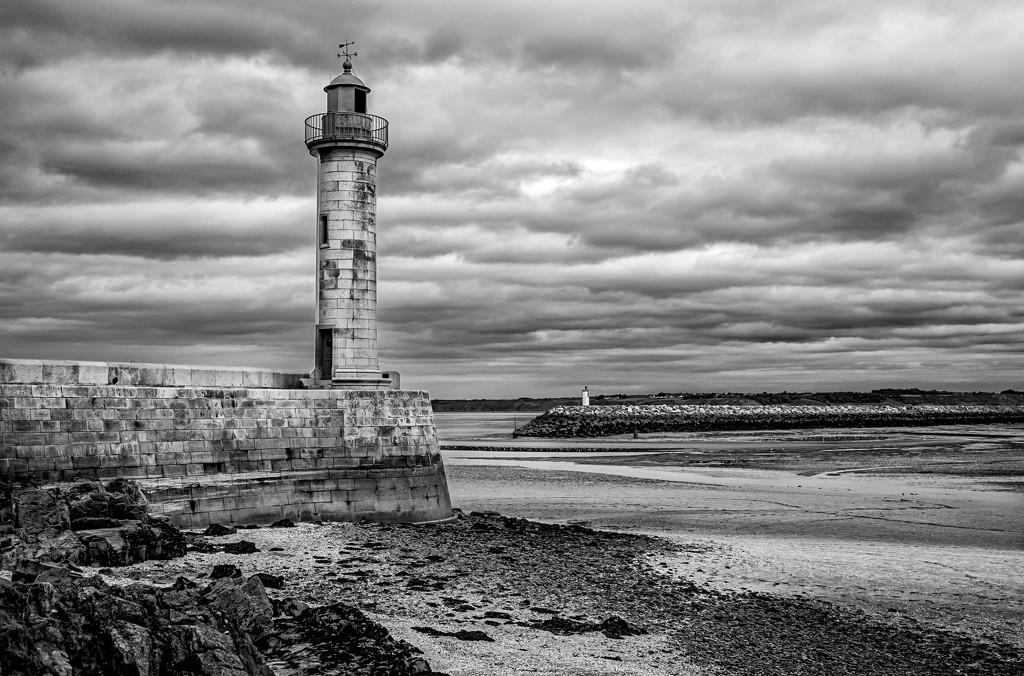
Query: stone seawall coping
x,y
44,372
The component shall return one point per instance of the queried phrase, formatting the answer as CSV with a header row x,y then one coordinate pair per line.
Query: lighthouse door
x,y
326,353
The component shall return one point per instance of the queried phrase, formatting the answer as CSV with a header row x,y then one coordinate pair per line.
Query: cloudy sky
x,y
701,195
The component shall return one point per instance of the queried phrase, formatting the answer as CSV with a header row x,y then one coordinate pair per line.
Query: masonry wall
x,y
224,453
347,275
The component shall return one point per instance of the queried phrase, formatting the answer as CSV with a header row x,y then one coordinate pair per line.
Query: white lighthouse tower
x,y
347,142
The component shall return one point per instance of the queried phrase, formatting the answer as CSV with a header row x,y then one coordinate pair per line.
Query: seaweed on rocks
x,y
338,639
217,530
225,570
611,627
752,634
240,547
557,578
461,634
271,581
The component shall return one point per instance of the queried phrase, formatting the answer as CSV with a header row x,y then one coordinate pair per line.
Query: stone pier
x,y
221,445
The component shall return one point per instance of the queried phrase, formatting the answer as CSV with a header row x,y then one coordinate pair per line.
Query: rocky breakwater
x,y
600,421
64,611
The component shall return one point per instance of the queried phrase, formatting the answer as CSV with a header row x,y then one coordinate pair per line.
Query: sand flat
x,y
839,553
928,523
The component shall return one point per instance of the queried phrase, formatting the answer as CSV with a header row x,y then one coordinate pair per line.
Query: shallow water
x,y
478,426
927,521
955,485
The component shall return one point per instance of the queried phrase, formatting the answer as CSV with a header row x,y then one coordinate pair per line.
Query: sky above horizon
x,y
638,197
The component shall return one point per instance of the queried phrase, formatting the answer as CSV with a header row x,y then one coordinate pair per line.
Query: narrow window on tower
x,y
323,230
360,101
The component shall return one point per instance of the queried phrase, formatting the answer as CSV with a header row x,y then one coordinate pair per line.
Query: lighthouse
x,y
347,141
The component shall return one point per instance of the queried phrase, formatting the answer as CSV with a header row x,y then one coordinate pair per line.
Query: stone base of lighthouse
x,y
216,445
361,379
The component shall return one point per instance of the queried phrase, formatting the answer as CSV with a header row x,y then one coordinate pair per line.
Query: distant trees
x,y
910,396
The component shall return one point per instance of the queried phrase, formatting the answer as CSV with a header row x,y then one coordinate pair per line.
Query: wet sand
x,y
928,523
836,552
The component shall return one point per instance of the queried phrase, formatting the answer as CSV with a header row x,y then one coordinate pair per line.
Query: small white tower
x,y
347,141
586,396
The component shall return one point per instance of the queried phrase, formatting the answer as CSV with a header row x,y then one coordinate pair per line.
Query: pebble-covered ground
x,y
490,594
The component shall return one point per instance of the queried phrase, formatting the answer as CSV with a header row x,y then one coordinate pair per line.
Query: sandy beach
x,y
816,552
927,522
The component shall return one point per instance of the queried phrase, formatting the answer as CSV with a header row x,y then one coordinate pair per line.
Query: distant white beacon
x,y
586,396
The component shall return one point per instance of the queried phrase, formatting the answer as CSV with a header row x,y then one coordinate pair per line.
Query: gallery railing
x,y
341,126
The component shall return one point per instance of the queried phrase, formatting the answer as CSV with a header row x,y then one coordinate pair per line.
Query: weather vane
x,y
344,51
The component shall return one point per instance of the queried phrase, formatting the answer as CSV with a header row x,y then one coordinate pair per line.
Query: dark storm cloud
x,y
123,169
85,306
115,26
188,229
720,194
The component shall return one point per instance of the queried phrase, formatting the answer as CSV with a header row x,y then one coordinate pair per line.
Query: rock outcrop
x,y
58,619
85,523
62,623
599,421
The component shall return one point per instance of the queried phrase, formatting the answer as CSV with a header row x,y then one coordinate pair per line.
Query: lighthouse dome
x,y
347,79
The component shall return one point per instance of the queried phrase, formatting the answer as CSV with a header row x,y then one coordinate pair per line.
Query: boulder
x,y
131,542
216,530
127,500
289,606
41,511
33,570
86,523
120,500
240,547
271,581
225,570
133,650
202,649
246,601
168,540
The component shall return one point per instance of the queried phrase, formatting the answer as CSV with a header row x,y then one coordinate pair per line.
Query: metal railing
x,y
357,126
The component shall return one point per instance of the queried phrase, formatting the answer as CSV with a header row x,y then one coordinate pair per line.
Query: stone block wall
x,y
224,453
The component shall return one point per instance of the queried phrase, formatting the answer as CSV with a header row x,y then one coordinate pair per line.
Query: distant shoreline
x,y
882,397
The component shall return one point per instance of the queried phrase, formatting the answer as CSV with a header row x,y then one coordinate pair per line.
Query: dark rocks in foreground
x,y
336,640
611,627
85,523
63,623
572,579
600,421
57,620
